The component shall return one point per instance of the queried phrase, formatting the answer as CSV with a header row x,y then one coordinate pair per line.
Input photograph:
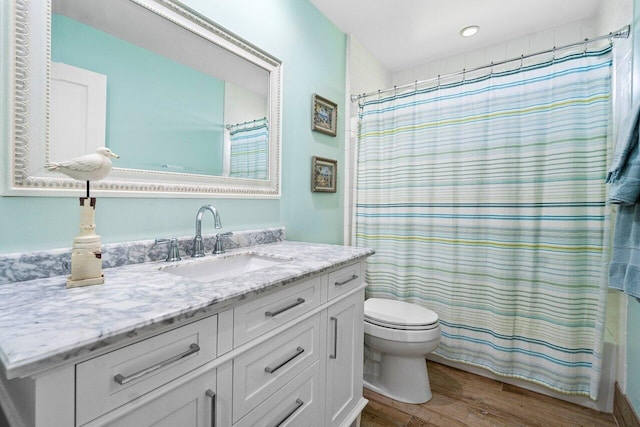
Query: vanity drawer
x,y
345,279
295,404
255,318
111,380
258,373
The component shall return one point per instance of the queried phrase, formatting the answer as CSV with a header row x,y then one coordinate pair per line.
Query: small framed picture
x,y
324,175
324,117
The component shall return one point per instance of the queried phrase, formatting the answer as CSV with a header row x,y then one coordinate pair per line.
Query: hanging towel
x,y
624,173
624,177
624,269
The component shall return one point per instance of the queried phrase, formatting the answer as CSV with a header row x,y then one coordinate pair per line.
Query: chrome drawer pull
x,y
122,380
350,279
335,338
282,310
299,404
299,351
212,395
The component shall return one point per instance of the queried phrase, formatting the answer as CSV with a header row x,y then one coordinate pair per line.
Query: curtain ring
x,y
491,69
521,61
379,94
438,81
395,91
362,100
610,39
584,52
464,74
416,86
553,58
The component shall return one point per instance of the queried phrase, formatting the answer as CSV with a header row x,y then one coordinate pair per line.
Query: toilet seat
x,y
399,315
402,327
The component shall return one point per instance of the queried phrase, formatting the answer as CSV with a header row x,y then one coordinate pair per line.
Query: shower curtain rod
x,y
622,33
250,122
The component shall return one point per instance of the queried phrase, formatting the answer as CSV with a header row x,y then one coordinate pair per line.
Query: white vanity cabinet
x,y
312,371
288,356
345,337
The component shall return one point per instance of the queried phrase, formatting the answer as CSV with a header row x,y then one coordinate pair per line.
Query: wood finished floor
x,y
464,399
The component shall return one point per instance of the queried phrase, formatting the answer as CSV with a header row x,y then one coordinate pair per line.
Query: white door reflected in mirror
x,y
78,111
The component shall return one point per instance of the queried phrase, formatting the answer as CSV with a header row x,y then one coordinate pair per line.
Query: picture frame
x,y
324,175
324,115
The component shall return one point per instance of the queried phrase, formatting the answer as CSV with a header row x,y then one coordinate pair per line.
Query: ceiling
x,y
407,33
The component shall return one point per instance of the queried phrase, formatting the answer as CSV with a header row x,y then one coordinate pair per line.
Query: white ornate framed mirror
x,y
174,94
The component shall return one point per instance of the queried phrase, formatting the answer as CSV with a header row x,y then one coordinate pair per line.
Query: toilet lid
x,y
398,313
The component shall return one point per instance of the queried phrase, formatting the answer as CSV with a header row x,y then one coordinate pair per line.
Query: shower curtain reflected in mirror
x,y
246,150
485,202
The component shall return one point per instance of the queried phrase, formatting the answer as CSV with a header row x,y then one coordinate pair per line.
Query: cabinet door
x,y
344,357
191,404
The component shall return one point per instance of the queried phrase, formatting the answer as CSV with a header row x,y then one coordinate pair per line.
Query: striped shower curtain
x,y
249,150
485,202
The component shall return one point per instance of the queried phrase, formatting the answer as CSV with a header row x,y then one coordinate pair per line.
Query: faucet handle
x,y
219,247
174,252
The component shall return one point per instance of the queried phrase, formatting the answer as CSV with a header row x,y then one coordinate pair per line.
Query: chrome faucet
x,y
198,246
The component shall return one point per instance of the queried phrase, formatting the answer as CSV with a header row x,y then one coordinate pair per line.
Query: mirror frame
x,y
27,151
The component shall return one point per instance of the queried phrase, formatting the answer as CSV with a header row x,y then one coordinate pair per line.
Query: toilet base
x,y
401,378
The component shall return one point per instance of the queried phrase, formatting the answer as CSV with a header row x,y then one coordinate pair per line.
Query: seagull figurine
x,y
90,167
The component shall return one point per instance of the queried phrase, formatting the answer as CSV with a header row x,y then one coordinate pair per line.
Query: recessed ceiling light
x,y
469,31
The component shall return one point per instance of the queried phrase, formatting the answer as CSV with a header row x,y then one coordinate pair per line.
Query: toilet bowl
x,y
397,337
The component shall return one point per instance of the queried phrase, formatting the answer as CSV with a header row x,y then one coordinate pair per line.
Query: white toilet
x,y
397,337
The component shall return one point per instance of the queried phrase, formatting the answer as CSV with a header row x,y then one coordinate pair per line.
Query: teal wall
x,y
313,53
633,309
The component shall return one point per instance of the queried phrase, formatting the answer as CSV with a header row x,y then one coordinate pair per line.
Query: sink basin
x,y
216,268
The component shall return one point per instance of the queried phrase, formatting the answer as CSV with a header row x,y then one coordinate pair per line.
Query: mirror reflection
x,y
161,96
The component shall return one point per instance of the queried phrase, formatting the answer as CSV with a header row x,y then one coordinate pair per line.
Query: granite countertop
x,y
43,324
